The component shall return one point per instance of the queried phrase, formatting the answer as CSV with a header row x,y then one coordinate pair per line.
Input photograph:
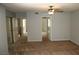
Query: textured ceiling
x,y
21,7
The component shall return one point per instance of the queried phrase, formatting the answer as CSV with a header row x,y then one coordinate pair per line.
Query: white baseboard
x,y
34,40
59,39
76,42
50,40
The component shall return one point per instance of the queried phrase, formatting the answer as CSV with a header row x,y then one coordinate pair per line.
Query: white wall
x,y
3,33
10,14
75,27
20,14
33,27
61,26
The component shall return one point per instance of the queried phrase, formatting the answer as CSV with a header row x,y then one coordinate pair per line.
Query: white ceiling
x,y
21,7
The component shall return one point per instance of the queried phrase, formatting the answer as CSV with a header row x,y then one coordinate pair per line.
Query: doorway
x,y
16,29
46,28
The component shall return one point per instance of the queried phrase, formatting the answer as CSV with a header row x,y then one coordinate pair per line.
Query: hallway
x,y
44,48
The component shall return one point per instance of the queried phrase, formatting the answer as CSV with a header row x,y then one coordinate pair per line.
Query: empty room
x,y
39,28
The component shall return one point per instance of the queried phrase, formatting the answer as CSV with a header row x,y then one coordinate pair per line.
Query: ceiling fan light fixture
x,y
51,11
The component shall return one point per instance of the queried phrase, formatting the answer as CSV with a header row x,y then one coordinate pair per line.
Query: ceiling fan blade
x,y
55,9
58,10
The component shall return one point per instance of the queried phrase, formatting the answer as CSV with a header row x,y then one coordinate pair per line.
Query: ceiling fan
x,y
52,10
